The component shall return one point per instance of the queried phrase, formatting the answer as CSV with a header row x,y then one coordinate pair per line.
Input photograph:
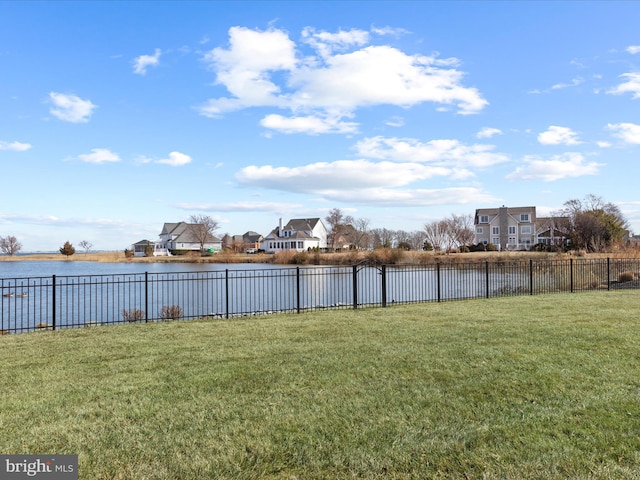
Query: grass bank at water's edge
x,y
521,387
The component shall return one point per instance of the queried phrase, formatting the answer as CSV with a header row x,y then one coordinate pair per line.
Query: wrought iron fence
x,y
36,303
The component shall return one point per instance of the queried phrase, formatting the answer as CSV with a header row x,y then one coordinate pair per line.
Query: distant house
x,y
553,231
141,248
250,241
182,236
300,234
508,228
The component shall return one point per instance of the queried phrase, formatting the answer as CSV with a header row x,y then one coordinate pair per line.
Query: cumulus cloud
x,y
14,146
633,49
342,74
71,108
628,132
557,167
558,136
99,155
449,153
488,132
143,62
632,85
175,159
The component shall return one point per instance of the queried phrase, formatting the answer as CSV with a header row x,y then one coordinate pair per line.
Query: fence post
x,y
608,274
438,279
146,297
226,292
53,300
486,278
384,285
530,276
355,287
571,275
298,289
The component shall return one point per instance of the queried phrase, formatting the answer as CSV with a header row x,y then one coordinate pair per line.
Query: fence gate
x,y
369,284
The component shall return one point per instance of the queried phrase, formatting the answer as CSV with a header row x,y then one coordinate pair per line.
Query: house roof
x,y
183,233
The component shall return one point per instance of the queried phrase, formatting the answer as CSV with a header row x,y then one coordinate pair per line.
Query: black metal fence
x,y
54,302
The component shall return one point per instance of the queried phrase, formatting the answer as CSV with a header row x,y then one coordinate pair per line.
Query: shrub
x,y
170,312
299,258
133,315
128,253
491,247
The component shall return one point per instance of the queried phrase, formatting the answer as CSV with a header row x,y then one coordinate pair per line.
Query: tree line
x,y
590,224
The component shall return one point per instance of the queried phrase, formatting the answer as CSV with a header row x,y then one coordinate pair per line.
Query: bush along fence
x,y
43,303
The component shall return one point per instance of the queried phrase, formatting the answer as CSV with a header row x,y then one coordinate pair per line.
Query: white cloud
x,y
385,197
312,125
71,108
266,69
633,49
574,83
558,136
326,43
99,155
488,132
395,121
14,146
448,153
632,85
628,132
176,159
143,62
603,144
557,167
247,206
323,177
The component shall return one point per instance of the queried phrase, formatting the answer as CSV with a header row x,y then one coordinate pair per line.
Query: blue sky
x,y
116,117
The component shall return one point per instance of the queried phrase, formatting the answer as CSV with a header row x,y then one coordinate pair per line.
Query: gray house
x,y
184,236
508,228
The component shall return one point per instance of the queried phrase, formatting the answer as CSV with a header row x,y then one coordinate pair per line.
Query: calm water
x,y
31,268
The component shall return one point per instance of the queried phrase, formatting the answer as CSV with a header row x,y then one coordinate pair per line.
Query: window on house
x,y
512,240
512,230
524,217
479,230
525,230
484,219
495,240
495,230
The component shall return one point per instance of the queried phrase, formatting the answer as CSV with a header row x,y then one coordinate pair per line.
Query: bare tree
x,y
203,228
460,230
361,226
86,245
339,225
10,245
436,234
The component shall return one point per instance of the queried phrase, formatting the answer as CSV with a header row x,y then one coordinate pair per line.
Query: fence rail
x,y
35,303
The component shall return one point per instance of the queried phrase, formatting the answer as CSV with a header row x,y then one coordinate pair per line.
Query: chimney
x,y
280,227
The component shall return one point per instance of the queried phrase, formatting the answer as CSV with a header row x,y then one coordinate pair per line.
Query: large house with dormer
x,y
299,235
518,228
183,236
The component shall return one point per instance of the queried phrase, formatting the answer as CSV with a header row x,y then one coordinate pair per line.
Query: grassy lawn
x,y
523,387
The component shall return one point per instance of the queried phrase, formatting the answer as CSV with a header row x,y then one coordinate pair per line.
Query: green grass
x,y
522,387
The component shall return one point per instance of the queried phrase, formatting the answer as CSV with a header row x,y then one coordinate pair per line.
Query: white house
x,y
183,236
300,234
